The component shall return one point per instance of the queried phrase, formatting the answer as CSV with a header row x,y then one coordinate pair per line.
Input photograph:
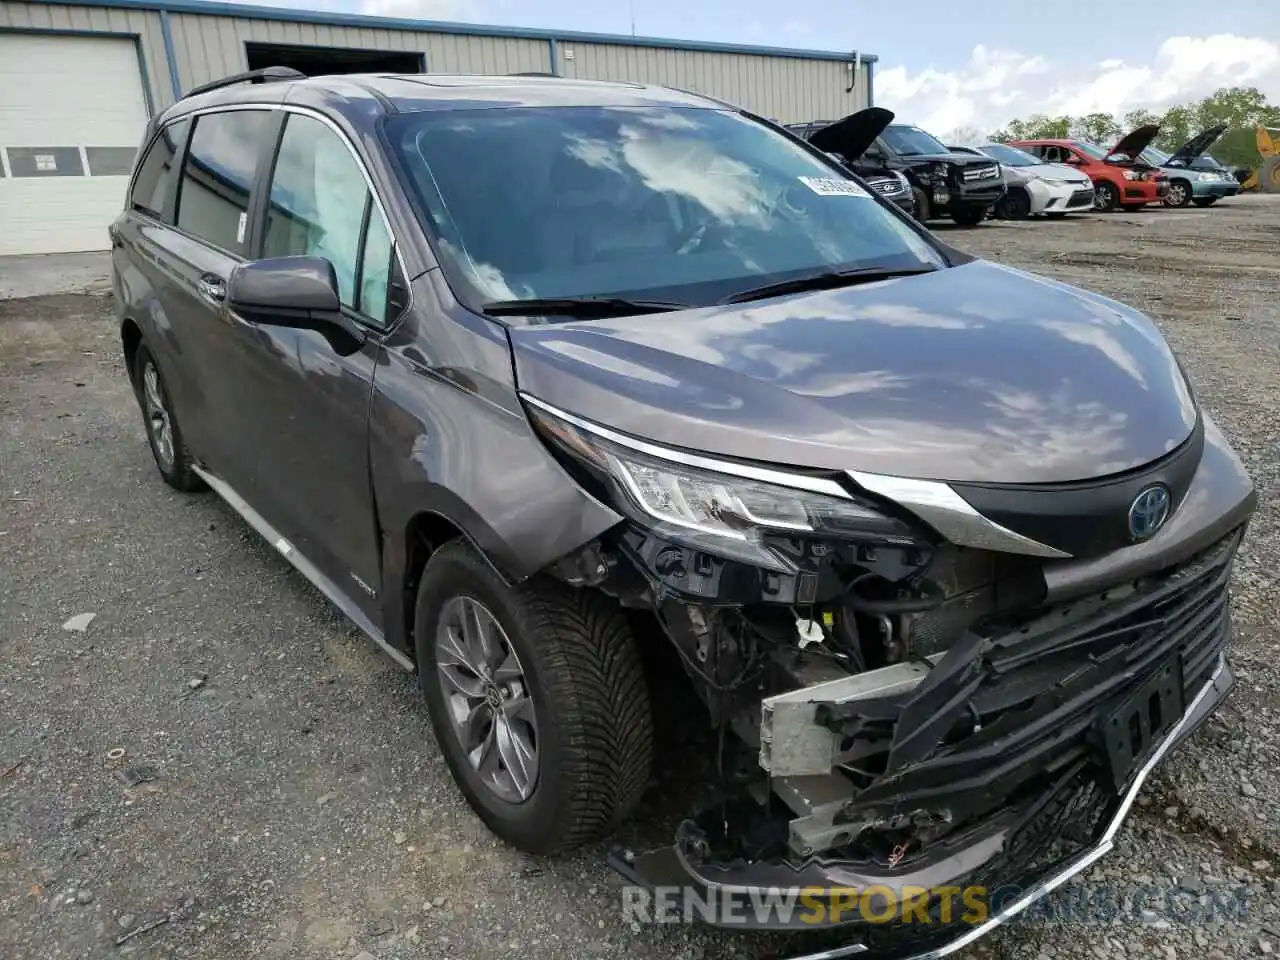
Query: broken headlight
x,y
720,507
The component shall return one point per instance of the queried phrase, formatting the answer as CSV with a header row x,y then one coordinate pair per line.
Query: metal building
x,y
78,79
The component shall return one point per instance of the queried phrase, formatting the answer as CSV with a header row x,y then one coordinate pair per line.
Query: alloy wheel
x,y
1103,197
488,698
1177,195
159,420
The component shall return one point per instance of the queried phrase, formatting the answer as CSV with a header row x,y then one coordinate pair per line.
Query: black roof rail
x,y
533,73
263,75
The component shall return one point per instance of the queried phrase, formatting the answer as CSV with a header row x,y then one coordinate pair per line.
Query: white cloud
x,y
996,86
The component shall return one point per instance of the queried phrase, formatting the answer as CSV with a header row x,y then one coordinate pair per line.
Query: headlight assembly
x,y
723,508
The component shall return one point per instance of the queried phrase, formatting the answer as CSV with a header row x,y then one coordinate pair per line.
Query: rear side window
x,y
155,173
213,198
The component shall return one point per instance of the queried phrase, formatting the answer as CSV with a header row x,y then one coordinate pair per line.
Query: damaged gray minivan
x,y
538,378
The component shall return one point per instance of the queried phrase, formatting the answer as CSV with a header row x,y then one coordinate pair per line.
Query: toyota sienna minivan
x,y
566,391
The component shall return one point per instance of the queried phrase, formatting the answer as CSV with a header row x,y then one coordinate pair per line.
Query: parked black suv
x,y
567,391
944,183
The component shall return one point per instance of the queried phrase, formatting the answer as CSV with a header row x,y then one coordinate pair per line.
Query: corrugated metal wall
x,y
211,47
208,47
144,23
788,89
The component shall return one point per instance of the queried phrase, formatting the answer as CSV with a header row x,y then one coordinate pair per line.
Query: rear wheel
x,y
538,700
1014,205
1105,197
969,216
164,435
1179,194
1205,201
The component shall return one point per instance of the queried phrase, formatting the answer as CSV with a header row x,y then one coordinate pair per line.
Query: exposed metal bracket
x,y
792,744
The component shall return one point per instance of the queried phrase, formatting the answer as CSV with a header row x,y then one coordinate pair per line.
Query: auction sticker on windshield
x,y
833,187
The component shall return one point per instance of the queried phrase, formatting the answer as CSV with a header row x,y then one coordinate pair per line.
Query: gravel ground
x,y
296,805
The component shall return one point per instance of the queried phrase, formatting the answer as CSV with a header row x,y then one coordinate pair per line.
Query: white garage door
x,y
71,115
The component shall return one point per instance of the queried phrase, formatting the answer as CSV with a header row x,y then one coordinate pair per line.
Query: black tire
x,y
969,216
922,204
1205,201
1105,196
175,466
1179,194
585,676
1269,175
1014,205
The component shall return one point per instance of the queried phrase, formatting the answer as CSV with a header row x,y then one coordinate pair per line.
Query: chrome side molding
x,y
302,565
951,515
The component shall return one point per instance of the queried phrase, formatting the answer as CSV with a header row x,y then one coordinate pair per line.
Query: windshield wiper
x,y
825,280
581,307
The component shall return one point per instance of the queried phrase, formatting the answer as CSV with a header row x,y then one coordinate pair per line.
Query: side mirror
x,y
299,292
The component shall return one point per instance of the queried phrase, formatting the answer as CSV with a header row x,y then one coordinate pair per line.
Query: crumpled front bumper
x,y
832,898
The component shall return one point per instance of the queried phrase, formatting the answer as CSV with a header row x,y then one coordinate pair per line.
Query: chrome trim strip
x,y
302,565
1077,866
795,481
951,515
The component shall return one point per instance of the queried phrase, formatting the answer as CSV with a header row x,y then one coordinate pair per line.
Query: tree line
x,y
1242,109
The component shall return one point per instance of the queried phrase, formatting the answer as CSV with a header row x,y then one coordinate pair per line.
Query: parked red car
x,y
1120,177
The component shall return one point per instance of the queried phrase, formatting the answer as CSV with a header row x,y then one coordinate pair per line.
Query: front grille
x,y
977,172
1080,196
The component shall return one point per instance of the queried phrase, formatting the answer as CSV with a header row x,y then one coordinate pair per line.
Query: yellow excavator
x,y
1267,177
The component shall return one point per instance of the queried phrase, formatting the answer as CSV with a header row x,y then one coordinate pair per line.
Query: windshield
x,y
1155,156
1092,149
1010,156
687,205
912,141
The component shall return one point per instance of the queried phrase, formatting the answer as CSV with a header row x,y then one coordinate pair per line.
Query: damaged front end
x,y
924,723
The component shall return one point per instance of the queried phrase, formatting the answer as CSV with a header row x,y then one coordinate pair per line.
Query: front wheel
x,y
1105,197
969,216
1014,205
1205,201
1179,194
538,700
922,211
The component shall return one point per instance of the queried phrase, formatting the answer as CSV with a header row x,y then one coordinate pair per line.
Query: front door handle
x,y
213,288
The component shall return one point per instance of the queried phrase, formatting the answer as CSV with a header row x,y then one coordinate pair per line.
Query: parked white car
x,y
1036,187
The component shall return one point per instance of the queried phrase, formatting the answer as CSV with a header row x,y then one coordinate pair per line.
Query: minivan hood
x,y
1132,144
852,136
1199,143
977,373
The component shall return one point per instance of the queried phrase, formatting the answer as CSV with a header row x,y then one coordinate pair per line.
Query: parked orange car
x,y
1120,178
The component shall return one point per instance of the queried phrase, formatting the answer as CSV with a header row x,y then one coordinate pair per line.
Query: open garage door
x,y
318,61
72,113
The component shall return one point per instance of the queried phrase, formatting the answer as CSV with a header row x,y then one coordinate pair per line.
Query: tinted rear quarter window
x,y
155,173
213,198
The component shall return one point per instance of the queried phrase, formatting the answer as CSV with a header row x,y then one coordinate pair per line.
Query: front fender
x,y
448,437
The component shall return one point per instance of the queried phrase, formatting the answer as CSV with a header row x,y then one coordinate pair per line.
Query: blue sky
x,y
942,69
